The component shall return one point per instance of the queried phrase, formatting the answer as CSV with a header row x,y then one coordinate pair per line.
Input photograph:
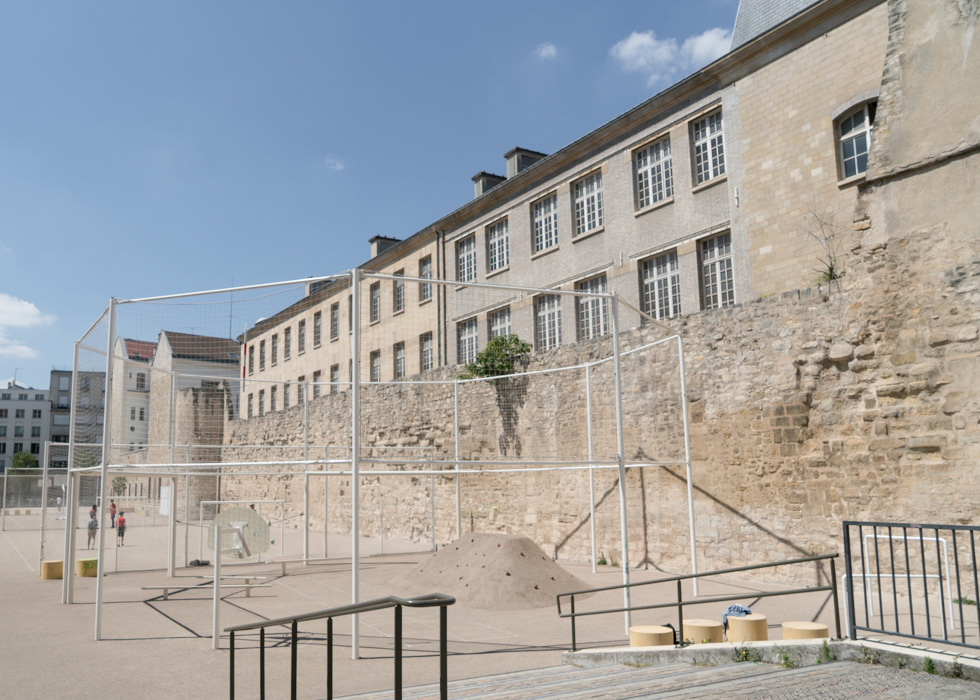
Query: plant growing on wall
x,y
498,357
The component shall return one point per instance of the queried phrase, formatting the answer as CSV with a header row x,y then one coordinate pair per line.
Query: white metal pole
x,y
3,505
459,514
71,498
687,462
381,525
588,430
172,530
282,528
326,484
620,448
44,503
104,472
306,517
355,454
216,596
200,528
187,510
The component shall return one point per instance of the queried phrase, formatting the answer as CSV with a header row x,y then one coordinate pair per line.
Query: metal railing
x,y
430,600
898,561
680,602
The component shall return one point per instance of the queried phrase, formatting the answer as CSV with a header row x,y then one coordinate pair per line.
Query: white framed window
x,y
376,366
317,328
142,413
132,413
425,271
499,322
854,139
3,431
18,431
261,402
334,378
335,321
467,340
140,381
398,293
36,413
317,375
301,389
717,277
262,356
593,312
544,216
36,431
498,246
301,337
654,173
660,283
709,148
425,352
273,391
375,302
466,259
287,343
547,321
275,349
399,357
285,396
587,194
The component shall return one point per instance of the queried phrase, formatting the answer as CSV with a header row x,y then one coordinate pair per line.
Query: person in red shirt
x,y
121,528
112,513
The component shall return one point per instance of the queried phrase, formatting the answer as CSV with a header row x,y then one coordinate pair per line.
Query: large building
x,y
735,183
24,423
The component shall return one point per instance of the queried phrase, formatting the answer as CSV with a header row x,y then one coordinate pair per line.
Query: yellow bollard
x,y
87,567
51,569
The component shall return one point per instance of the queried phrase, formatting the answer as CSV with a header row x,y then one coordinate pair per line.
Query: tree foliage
x,y
498,357
23,460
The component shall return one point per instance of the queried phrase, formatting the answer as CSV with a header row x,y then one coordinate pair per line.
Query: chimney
x,y
483,182
379,244
519,159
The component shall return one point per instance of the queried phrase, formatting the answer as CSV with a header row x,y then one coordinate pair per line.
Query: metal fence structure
x,y
912,580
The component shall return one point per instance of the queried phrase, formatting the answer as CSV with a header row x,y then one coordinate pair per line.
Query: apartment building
x,y
24,422
737,182
131,392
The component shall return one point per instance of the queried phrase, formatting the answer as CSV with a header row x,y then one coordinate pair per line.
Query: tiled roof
x,y
202,347
139,349
756,17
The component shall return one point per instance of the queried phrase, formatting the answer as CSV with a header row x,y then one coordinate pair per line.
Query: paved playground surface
x,y
152,647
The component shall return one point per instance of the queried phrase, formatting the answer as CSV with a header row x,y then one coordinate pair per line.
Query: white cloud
x,y
334,164
17,313
662,59
547,52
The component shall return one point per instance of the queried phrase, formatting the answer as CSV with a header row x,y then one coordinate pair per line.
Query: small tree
x,y
118,485
23,460
498,357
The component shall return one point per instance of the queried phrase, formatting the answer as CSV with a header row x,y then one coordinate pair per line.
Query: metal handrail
x,y
429,600
680,603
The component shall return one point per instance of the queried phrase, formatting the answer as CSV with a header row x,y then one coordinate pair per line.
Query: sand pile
x,y
494,572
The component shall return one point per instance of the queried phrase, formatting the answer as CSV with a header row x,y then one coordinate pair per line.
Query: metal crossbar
x,y
680,602
430,600
911,561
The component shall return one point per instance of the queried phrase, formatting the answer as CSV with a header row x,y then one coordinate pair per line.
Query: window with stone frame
x,y
335,321
587,195
593,312
717,275
544,216
262,356
854,139
398,293
498,246
316,383
425,271
261,402
398,353
660,282
273,391
301,337
275,350
467,341
317,328
709,148
376,366
498,322
334,378
287,343
466,259
426,358
250,405
652,166
375,297
547,321
285,396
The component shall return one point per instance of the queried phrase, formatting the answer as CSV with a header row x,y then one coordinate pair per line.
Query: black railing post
x,y
849,588
443,652
231,666
833,582
680,614
294,651
398,652
262,663
329,658
571,599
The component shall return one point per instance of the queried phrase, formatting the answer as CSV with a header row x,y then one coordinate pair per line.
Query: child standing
x,y
93,528
112,513
121,528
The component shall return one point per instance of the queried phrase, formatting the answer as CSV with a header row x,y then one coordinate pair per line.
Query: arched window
x,y
854,139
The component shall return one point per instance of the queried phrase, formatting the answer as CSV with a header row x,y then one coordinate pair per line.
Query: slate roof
x,y
756,17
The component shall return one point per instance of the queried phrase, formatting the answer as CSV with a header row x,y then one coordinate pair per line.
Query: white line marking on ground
x,y
7,537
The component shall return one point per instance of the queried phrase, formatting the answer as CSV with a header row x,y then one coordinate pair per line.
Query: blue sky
x,y
153,148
